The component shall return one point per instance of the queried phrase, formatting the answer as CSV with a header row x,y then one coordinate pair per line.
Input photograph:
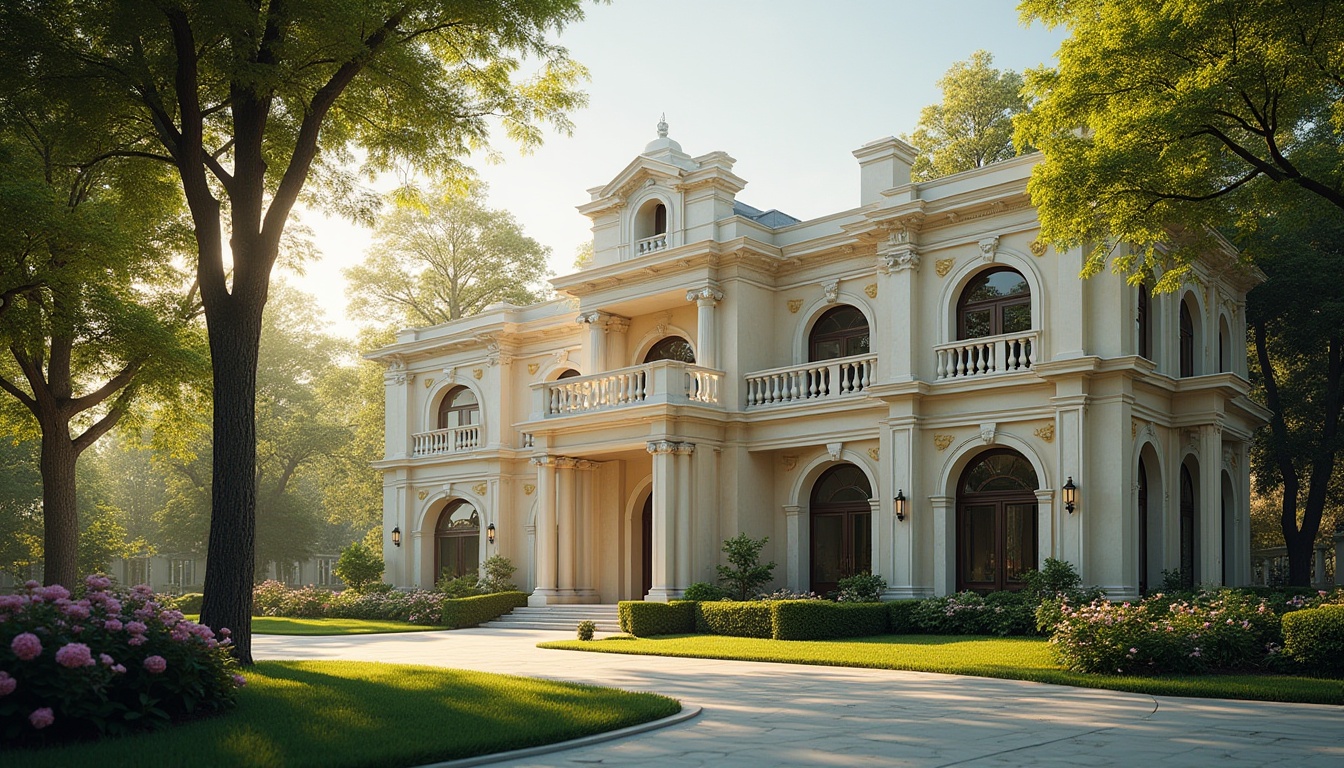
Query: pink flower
x,y
225,632
26,646
119,669
97,581
136,627
74,656
41,718
1133,650
7,683
31,584
106,660
112,625
53,593
137,640
155,665
239,681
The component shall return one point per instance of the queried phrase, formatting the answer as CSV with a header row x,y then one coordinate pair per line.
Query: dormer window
x,y
660,219
651,227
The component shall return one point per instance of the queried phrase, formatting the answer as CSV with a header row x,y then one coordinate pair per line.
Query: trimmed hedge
x,y
188,603
1315,637
823,620
736,619
901,616
471,611
643,619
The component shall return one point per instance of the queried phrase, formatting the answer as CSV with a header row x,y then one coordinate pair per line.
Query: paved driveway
x,y
785,714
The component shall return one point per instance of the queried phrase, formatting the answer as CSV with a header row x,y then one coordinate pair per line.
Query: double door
x,y
842,545
997,538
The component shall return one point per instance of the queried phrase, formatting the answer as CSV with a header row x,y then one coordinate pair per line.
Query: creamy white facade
x,y
924,344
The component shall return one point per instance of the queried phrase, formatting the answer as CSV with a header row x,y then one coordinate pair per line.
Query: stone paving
x,y
758,714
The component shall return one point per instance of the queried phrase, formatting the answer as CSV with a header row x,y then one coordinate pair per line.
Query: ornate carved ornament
x,y
1038,248
529,489
429,382
831,291
873,453
834,450
1046,433
988,432
707,296
477,373
532,368
943,266
669,446
479,489
795,305
941,442
870,290
422,495
789,462
988,247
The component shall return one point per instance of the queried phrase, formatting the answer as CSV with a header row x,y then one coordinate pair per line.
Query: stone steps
x,y
559,618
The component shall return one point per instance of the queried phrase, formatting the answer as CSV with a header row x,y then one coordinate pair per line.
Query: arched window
x,y
459,408
457,540
841,332
568,373
660,219
1141,321
996,301
842,527
1189,528
650,227
1224,346
1187,344
671,348
996,521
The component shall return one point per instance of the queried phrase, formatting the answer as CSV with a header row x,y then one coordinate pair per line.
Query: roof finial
x,y
662,126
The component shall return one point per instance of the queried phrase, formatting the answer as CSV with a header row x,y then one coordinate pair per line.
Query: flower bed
x,y
426,607
104,662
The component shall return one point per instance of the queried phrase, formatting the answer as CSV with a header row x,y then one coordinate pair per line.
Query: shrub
x,y
1315,638
703,590
498,577
476,610
1055,578
586,629
305,603
268,598
643,619
784,593
745,574
738,619
466,585
823,620
359,566
901,616
968,613
106,662
186,603
861,588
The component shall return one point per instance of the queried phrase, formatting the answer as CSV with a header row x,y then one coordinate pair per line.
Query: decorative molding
x,y
1046,433
562,357
529,489
1037,248
423,495
617,324
834,450
1192,437
1229,457
795,305
988,430
873,453
789,462
941,442
479,489
706,296
669,446
988,247
477,373
871,290
830,289
1134,428
429,382
898,252
532,368
943,266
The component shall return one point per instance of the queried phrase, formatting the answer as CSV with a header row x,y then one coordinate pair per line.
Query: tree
x,y
20,507
1168,116
359,566
249,102
973,126
744,573
445,258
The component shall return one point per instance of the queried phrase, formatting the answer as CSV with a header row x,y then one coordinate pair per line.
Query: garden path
x,y
762,714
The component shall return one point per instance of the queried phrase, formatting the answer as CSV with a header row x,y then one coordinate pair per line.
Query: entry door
x,y
841,546
998,544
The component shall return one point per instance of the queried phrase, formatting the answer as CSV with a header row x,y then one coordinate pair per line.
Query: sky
x,y
787,87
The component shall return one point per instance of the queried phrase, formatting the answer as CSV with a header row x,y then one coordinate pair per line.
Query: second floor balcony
x,y
661,382
814,381
986,356
451,440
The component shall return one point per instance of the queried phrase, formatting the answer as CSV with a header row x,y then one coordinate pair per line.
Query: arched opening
x,y
568,373
995,302
660,219
840,332
1143,324
459,408
457,541
1224,346
841,527
996,521
1229,511
646,548
671,348
650,227
1187,340
1141,516
1189,528
1148,519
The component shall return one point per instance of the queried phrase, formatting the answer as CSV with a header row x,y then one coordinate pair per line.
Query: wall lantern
x,y
490,533
396,537
900,505
1070,495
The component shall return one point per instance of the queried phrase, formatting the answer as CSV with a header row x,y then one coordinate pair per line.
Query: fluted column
x,y
706,334
585,530
545,591
565,487
685,491
595,359
663,534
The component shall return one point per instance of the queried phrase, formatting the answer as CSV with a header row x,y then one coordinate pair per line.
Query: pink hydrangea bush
x,y
104,661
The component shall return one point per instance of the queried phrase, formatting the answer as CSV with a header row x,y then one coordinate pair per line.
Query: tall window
x,y
1187,341
459,408
1141,322
996,522
841,332
660,219
671,348
996,301
457,540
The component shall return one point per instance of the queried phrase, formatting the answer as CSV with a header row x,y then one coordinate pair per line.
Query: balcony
x,y
986,356
823,380
664,381
650,245
450,440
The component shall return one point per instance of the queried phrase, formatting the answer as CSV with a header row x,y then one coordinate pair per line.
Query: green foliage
x,y
1314,638
861,588
20,508
969,613
359,566
745,573
499,572
1057,577
189,603
103,538
466,585
586,629
824,620
973,125
902,616
643,619
703,590
474,611
739,619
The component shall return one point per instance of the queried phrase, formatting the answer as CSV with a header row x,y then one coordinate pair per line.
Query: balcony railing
x,y
650,244
450,440
986,356
827,379
665,381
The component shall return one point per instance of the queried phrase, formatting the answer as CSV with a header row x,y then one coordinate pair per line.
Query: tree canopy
x,y
973,125
1167,116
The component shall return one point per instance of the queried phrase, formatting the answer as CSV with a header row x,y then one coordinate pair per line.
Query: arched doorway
x,y
1188,529
842,527
996,522
1141,514
457,541
646,548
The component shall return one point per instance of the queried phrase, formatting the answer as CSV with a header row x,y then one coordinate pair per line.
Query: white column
x,y
1210,499
685,490
545,591
617,342
897,271
585,523
568,539
707,335
595,351
944,512
664,495
797,564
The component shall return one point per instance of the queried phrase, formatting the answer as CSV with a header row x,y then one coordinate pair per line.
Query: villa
x,y
916,387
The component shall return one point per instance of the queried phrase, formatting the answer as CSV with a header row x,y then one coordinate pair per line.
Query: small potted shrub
x,y
586,629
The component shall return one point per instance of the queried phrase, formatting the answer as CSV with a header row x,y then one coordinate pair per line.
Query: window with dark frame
x,y
841,332
671,348
997,301
1187,344
459,408
1141,321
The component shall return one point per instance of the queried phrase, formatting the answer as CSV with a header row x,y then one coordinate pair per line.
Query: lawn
x,y
1012,658
333,714
284,625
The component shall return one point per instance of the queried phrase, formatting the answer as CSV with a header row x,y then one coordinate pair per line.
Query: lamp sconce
x,y
396,537
490,533
1070,495
899,504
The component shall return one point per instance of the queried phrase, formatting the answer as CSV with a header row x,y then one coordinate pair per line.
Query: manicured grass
x,y
283,625
1012,658
333,714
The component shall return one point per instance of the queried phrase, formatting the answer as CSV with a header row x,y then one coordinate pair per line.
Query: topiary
x,y
586,629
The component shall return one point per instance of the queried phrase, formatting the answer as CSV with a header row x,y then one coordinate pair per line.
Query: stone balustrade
x,y
986,356
825,379
450,440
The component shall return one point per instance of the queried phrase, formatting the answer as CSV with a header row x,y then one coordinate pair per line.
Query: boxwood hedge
x,y
1315,637
643,619
823,620
738,619
472,611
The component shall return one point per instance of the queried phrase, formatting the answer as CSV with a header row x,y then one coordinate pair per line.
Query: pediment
x,y
637,173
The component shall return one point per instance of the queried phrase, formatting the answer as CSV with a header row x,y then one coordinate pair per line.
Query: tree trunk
x,y
235,334
60,515
1301,549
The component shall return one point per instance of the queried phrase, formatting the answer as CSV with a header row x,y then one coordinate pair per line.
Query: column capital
x,y
660,446
603,320
705,296
792,510
565,462
683,449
